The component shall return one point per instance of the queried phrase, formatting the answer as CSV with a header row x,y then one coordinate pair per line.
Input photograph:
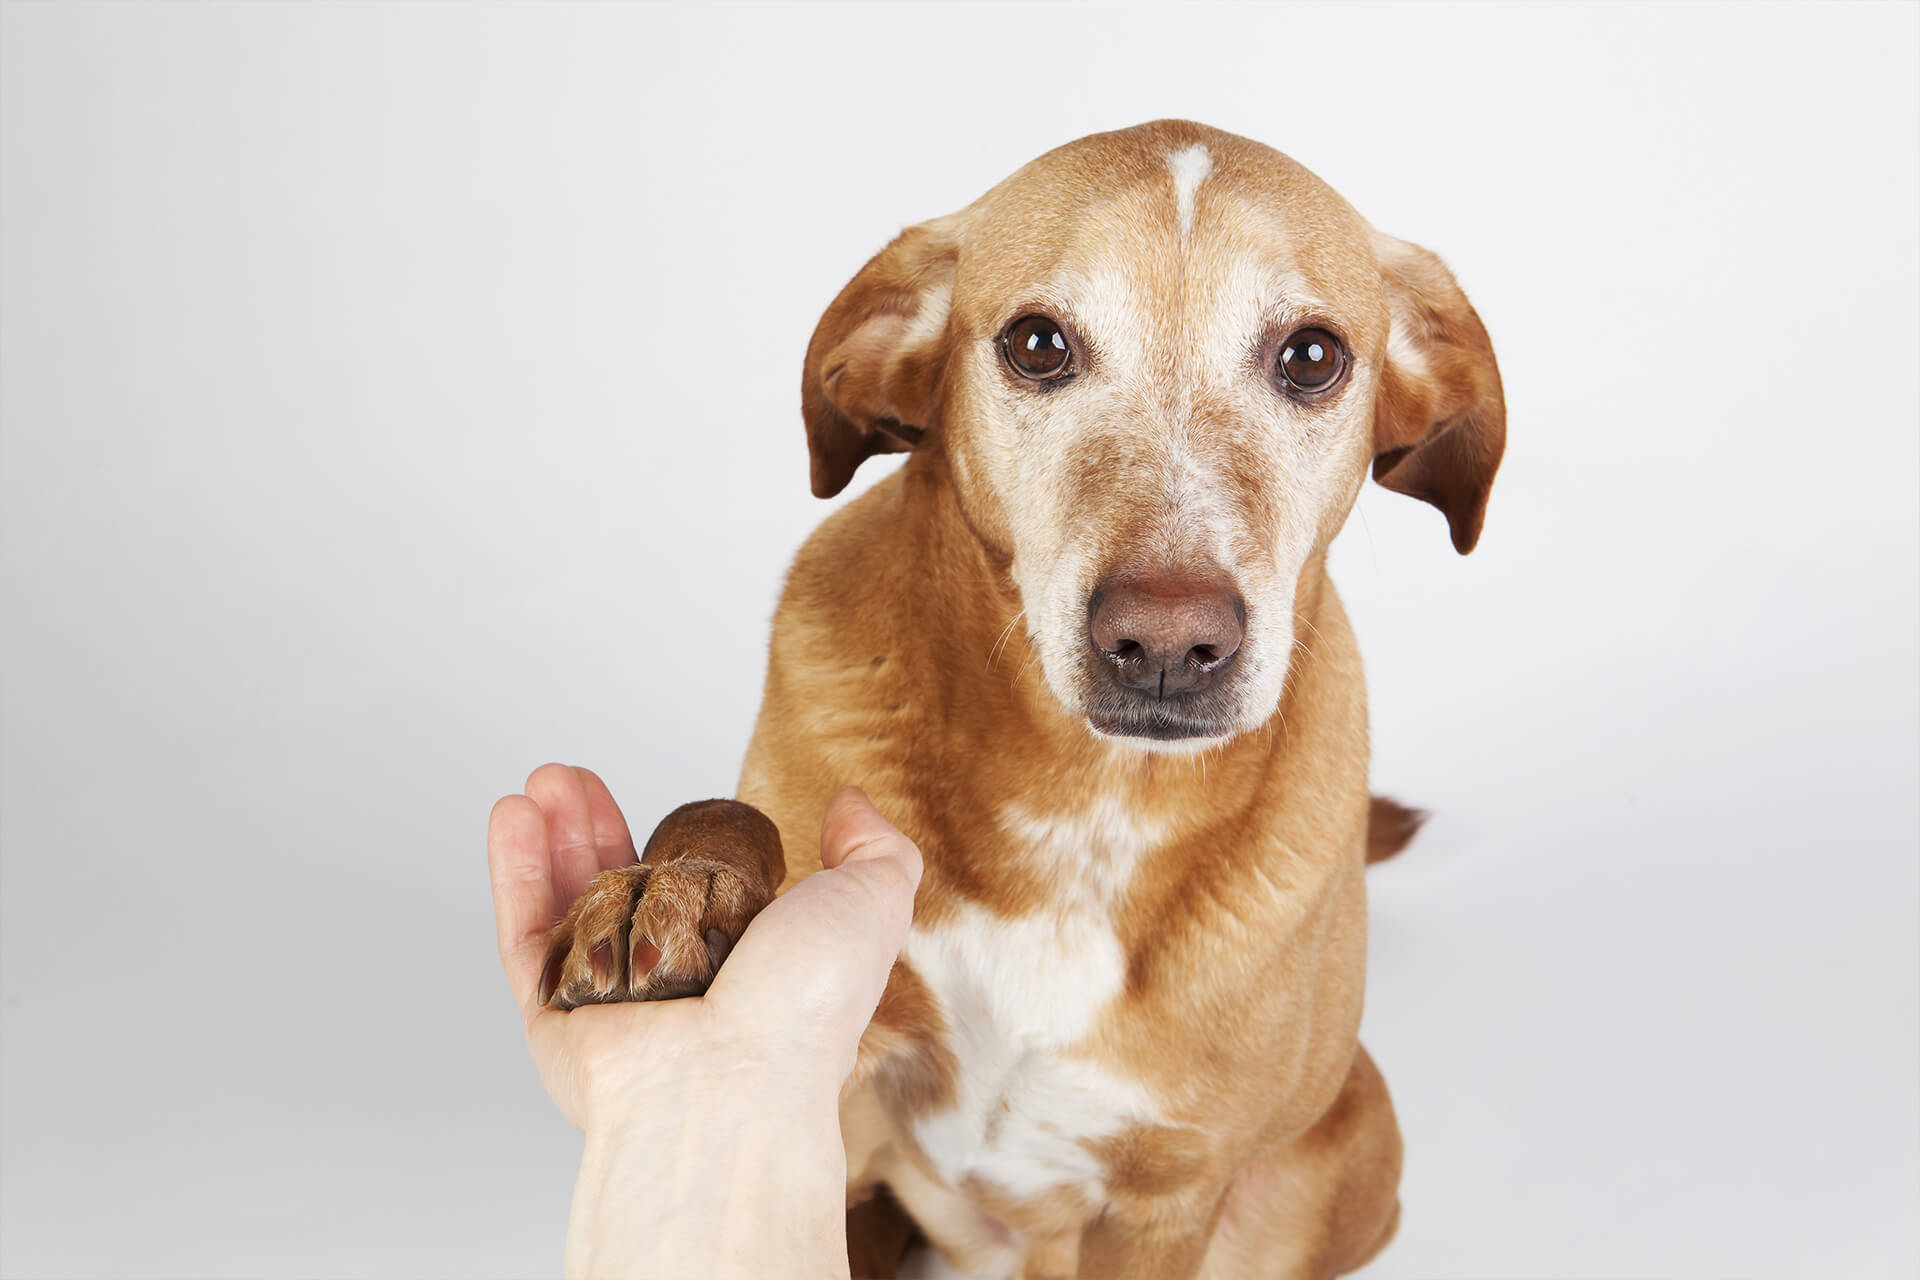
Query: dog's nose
x,y
1167,634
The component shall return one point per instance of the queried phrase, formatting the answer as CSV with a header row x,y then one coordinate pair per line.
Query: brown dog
x,y
1082,649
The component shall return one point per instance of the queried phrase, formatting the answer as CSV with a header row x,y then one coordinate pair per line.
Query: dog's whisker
x,y
1006,633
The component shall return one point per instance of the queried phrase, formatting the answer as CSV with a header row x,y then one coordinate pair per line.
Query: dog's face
x,y
1159,363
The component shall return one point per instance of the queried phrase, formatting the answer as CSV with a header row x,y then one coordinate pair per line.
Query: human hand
x,y
696,1090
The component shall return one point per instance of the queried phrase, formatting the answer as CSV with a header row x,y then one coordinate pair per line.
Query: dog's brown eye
x,y
1312,360
1036,348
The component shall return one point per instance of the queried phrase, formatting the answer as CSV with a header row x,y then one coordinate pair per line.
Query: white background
x,y
399,396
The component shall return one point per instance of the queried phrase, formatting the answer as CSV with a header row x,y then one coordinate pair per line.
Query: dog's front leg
x,y
1162,1238
659,929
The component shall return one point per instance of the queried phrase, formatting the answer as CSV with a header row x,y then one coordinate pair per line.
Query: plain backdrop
x,y
399,396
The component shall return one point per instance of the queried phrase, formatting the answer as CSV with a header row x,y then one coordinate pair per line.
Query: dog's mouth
x,y
1120,713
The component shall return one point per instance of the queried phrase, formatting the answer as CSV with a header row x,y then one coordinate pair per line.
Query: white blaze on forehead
x,y
1190,169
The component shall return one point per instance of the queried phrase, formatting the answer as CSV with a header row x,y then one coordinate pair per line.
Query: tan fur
x,y
1178,1088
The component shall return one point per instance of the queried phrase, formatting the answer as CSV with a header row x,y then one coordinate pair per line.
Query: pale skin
x,y
712,1123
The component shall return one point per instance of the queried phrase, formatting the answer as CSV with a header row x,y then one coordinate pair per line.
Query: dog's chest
x,y
1019,996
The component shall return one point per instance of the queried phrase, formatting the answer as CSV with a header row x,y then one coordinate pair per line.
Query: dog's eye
x,y
1037,348
1312,360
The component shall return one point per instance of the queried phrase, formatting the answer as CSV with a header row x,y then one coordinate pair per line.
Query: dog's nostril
x,y
1126,651
1203,655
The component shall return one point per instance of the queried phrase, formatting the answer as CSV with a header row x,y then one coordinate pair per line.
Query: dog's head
x,y
1159,363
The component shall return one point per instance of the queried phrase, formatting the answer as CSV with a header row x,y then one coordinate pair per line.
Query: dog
x,y
1082,648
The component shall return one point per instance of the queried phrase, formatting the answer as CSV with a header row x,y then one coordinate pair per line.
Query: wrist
x,y
718,1081
738,1172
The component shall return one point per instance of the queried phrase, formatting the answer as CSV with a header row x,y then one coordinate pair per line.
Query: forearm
x,y
747,1178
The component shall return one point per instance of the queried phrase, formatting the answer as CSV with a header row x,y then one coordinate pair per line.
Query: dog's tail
x,y
1390,825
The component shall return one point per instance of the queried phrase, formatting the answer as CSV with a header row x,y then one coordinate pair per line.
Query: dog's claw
x,y
601,961
550,974
645,956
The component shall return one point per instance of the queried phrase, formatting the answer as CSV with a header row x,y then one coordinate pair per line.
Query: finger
x,y
810,968
612,840
520,866
853,830
562,797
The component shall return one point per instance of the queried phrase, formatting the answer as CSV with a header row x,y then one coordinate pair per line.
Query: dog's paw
x,y
648,932
659,929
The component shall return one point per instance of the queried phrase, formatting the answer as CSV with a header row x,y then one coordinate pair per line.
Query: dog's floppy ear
x,y
874,368
1439,418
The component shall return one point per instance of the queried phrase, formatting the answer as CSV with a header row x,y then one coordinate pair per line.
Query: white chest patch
x,y
1019,995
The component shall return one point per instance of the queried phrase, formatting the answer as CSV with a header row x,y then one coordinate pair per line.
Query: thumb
x,y
809,970
853,831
